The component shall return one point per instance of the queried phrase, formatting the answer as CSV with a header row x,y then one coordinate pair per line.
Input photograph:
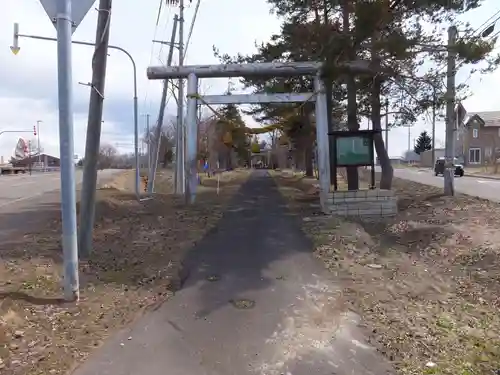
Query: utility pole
x,y
148,140
449,188
433,125
180,182
99,60
161,114
64,26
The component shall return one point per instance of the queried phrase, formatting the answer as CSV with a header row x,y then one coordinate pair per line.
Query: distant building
x,y
426,157
477,137
411,156
46,161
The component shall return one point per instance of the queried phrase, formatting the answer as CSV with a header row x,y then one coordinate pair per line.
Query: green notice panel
x,y
354,150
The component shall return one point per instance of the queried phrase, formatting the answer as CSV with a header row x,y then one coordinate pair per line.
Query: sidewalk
x,y
483,175
255,301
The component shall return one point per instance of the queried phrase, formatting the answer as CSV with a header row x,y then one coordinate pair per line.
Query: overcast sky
x,y
28,81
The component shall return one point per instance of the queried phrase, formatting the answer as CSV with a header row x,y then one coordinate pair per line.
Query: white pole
x,y
322,142
191,139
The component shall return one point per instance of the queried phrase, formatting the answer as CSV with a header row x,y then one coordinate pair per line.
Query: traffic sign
x,y
79,9
15,50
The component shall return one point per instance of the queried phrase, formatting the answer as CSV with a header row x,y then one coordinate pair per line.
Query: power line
x,y
470,36
165,17
192,26
151,54
497,13
489,39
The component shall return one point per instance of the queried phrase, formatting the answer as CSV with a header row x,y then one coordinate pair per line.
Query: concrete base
x,y
363,203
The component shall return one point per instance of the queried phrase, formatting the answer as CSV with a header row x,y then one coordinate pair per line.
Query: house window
x,y
474,156
475,133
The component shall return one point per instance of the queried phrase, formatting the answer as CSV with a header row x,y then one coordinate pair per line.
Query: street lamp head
x,y
488,31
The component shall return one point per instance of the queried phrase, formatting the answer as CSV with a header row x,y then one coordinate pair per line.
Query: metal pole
x,y
161,114
191,139
433,153
38,140
68,195
449,188
387,126
322,142
93,140
148,147
180,187
136,114
199,108
136,147
29,157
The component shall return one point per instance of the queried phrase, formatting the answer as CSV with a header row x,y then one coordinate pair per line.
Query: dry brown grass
x,y
135,264
427,282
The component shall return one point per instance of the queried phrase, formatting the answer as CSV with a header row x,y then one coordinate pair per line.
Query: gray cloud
x,y
118,109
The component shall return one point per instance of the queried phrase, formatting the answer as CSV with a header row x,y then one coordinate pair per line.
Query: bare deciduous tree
x,y
107,155
167,141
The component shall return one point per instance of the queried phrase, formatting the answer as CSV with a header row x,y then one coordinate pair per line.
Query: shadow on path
x,y
235,257
255,301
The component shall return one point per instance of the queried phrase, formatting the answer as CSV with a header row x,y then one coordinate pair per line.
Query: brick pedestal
x,y
363,203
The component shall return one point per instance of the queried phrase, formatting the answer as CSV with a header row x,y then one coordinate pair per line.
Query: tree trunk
x,y
380,149
352,105
308,158
385,163
165,159
229,161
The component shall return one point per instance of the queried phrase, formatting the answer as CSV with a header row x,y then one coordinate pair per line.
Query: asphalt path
x,y
470,185
255,302
26,200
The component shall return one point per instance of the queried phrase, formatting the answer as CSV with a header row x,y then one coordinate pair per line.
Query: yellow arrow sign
x,y
15,50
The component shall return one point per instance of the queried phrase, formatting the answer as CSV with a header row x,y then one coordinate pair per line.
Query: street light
x,y
15,49
488,31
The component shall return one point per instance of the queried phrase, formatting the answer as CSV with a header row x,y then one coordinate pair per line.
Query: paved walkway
x,y
257,258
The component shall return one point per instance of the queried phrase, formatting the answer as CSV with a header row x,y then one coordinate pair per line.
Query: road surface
x,y
17,188
25,200
475,186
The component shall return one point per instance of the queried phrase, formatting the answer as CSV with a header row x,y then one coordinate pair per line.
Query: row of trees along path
x,y
398,36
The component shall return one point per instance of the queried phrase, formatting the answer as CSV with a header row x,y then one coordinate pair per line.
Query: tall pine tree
x,y
423,143
390,34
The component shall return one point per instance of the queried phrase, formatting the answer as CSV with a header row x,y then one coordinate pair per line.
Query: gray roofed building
x,y
477,136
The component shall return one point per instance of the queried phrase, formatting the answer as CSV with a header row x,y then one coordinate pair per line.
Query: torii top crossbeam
x,y
271,69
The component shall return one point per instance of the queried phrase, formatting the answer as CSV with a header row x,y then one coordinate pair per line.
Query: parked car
x,y
439,167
